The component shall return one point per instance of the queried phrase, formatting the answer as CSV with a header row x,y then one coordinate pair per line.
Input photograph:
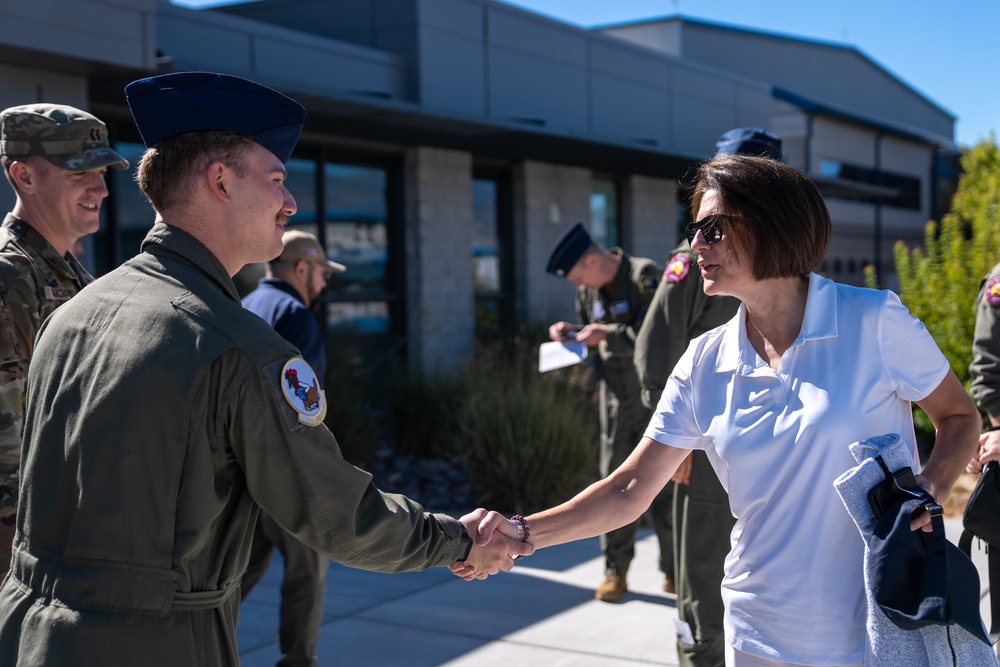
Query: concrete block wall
x,y
649,216
548,198
439,297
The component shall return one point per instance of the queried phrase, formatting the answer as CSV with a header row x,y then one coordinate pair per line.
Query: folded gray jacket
x,y
888,645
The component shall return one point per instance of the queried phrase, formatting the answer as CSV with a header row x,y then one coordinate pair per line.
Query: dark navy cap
x,y
568,250
171,104
751,141
920,578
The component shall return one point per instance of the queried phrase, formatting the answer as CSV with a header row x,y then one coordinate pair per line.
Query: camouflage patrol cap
x,y
65,136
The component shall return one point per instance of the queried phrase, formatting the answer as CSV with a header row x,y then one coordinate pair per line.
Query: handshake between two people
x,y
496,543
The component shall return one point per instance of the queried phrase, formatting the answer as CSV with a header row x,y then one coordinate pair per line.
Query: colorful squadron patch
x,y
992,292
677,268
302,391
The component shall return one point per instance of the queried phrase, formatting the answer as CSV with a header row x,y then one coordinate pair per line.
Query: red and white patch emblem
x,y
992,292
302,391
677,268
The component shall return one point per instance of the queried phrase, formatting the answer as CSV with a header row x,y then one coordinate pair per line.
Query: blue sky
x,y
949,51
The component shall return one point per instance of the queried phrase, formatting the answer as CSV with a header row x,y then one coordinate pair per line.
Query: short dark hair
x,y
166,170
777,217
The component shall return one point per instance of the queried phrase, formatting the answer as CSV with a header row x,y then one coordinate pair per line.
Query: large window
x,y
604,227
491,252
357,236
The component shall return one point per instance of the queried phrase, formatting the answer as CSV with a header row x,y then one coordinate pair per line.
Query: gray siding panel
x,y
527,88
626,62
631,112
692,82
452,74
201,45
698,121
106,32
456,16
537,36
276,56
302,67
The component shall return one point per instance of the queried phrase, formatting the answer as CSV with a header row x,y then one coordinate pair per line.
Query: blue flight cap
x,y
921,578
751,141
171,104
568,250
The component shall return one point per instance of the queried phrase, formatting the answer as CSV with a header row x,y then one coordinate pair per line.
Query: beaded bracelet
x,y
523,530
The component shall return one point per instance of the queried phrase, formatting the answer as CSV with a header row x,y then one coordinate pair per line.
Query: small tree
x,y
939,283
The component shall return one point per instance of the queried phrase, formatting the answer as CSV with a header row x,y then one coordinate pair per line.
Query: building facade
x,y
450,142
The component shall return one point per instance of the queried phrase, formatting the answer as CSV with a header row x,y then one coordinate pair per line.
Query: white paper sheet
x,y
558,355
683,631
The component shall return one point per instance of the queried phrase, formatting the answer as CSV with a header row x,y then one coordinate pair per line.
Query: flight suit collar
x,y
623,279
180,243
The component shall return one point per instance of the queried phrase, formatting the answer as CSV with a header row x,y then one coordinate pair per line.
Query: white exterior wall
x,y
439,297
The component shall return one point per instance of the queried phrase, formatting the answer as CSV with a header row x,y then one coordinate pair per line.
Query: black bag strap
x,y
993,574
992,570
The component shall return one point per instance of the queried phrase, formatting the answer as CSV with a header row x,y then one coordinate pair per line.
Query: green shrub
x,y
348,412
424,415
531,438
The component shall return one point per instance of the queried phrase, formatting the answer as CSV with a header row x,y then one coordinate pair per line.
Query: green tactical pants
x,y
622,426
703,522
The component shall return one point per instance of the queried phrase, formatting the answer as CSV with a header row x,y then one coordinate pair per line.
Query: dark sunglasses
x,y
710,226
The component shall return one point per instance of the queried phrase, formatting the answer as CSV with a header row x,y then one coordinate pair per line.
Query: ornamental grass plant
x,y
530,438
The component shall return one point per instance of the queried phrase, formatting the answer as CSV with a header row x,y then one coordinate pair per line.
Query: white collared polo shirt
x,y
793,586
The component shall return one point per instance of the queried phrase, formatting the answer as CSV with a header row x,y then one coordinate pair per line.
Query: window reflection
x,y
485,238
491,249
301,182
604,213
133,214
356,233
363,317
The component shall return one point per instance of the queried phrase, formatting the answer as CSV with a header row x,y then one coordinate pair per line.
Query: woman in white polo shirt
x,y
774,397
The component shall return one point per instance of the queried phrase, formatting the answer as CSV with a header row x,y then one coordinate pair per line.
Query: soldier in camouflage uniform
x,y
55,157
614,291
162,416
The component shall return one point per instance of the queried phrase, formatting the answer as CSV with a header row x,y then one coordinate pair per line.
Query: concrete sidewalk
x,y
541,613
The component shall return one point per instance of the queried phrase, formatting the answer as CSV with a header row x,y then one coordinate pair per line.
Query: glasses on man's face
x,y
710,226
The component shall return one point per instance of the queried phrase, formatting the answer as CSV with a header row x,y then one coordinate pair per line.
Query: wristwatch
x,y
467,542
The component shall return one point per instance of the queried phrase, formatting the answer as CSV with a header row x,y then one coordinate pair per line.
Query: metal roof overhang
x,y
810,105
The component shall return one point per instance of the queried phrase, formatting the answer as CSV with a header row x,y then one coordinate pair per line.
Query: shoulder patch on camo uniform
x,y
302,391
677,268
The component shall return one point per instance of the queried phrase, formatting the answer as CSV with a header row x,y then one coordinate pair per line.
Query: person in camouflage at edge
x,y
54,157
